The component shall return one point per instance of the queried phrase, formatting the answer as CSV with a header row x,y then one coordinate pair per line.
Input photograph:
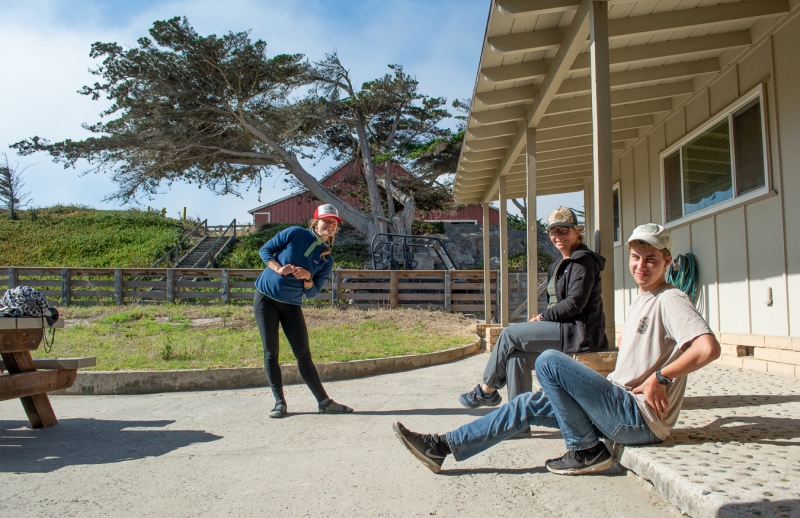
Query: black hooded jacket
x,y
579,306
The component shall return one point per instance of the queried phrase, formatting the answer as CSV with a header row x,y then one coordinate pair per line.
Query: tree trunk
x,y
360,221
523,209
388,185
401,224
369,174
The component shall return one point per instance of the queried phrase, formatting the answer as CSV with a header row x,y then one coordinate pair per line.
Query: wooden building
x,y
299,207
685,114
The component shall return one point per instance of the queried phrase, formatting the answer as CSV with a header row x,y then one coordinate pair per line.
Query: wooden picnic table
x,y
18,337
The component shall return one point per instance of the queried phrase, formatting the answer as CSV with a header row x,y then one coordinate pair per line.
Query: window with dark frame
x,y
721,163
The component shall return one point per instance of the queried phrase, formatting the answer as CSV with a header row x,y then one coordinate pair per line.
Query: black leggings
x,y
270,314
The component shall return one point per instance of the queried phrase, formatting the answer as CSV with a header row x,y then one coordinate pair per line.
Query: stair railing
x,y
210,256
175,250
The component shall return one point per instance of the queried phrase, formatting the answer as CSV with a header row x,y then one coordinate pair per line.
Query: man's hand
x,y
655,394
301,273
536,318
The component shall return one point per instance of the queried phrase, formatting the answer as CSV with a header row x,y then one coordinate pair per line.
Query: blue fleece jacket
x,y
299,247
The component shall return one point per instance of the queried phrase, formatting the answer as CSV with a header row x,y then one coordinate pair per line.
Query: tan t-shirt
x,y
657,329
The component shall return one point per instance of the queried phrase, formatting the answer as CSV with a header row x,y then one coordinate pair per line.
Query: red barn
x,y
299,207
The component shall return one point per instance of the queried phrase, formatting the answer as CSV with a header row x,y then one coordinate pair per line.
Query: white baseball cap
x,y
652,234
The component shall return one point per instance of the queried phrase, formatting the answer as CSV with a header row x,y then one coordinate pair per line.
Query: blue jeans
x,y
584,405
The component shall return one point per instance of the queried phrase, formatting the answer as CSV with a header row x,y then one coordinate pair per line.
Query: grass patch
x,y
78,236
183,336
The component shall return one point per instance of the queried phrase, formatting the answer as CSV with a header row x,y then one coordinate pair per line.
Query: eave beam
x,y
634,54
647,24
568,49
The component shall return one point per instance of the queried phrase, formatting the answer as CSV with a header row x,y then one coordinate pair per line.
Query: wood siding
x,y
744,251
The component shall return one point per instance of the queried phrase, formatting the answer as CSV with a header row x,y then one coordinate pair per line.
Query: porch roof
x,y
534,73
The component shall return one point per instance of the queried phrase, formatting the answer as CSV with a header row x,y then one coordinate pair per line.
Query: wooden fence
x,y
455,291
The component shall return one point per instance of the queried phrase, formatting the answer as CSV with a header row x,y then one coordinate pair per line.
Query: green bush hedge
x,y
78,236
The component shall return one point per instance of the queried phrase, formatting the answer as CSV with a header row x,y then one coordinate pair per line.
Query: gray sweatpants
x,y
514,355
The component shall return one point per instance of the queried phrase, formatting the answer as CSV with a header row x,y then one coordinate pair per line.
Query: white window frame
x,y
269,216
756,93
616,187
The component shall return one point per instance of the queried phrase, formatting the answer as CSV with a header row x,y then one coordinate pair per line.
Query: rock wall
x,y
464,242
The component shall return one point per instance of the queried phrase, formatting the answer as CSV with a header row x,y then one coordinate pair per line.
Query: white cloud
x,y
44,49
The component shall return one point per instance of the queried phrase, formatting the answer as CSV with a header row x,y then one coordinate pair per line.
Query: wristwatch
x,y
663,380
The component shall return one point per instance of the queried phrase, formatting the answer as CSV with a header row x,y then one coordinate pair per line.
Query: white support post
x,y
504,297
588,214
601,147
487,269
533,227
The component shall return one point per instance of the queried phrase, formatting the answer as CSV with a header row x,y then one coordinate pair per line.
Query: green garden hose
x,y
683,274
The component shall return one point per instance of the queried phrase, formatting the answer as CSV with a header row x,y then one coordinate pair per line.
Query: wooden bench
x,y
18,337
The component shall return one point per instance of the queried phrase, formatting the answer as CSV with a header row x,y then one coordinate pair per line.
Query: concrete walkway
x,y
217,454
734,453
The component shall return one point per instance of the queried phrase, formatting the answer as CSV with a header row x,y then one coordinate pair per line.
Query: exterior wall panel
x,y
723,91
734,307
766,266
641,180
627,218
621,302
697,112
655,145
755,67
681,240
787,114
675,127
704,247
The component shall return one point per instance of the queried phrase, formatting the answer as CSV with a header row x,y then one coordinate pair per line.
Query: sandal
x,y
330,406
278,411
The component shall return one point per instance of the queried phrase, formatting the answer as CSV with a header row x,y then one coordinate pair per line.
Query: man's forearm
x,y
704,350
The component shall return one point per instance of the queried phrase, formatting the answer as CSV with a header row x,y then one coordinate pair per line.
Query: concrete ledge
x,y
149,382
732,453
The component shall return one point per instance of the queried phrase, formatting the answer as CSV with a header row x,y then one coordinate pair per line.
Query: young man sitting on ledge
x,y
663,339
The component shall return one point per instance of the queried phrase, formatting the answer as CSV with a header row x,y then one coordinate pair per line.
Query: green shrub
x,y
516,222
245,252
419,228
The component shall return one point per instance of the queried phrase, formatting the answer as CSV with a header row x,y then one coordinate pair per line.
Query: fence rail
x,y
454,291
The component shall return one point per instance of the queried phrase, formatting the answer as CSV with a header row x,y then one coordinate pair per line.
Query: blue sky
x,y
44,51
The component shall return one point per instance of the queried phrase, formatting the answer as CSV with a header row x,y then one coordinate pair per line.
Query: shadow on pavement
x,y
712,402
778,508
744,429
479,412
492,471
88,441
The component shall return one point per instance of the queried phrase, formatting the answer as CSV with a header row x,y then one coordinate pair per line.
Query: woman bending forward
x,y
299,261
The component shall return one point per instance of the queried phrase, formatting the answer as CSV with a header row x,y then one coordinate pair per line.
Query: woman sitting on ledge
x,y
573,321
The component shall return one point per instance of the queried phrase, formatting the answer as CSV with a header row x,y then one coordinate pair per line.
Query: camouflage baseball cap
x,y
562,217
